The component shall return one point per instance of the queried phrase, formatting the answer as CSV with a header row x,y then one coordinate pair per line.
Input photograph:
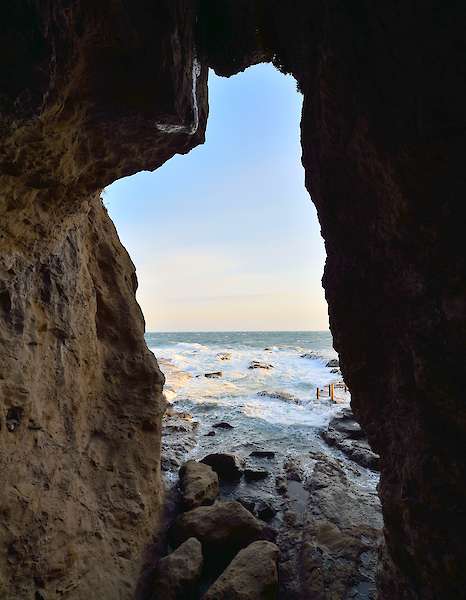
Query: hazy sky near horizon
x,y
226,237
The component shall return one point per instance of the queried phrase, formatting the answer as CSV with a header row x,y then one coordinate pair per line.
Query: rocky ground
x,y
263,526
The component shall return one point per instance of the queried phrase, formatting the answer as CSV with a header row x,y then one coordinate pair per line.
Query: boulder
x,y
347,425
199,484
255,474
210,434
262,454
251,575
223,425
259,365
333,363
214,375
227,466
177,575
223,529
265,510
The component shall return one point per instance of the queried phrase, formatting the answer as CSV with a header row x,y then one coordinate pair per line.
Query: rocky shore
x,y
251,521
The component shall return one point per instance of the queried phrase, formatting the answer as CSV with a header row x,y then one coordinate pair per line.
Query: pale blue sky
x,y
226,237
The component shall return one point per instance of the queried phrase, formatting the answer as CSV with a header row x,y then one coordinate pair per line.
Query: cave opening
x,y
229,257
94,92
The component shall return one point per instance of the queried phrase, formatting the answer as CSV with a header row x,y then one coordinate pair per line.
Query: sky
x,y
226,238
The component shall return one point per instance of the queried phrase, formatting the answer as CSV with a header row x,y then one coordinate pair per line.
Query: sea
x,y
275,409
278,401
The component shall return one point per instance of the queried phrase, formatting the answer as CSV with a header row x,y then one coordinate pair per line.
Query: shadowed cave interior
x,y
382,134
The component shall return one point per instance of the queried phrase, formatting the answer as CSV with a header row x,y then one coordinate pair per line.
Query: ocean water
x,y
276,399
273,409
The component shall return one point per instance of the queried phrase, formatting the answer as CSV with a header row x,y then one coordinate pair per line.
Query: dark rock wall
x,y
91,92
383,136
383,145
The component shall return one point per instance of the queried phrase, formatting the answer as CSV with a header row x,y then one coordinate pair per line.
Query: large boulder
x,y
251,575
178,574
227,466
199,484
223,529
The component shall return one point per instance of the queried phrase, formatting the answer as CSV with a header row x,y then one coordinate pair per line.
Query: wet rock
x,y
285,396
251,575
177,575
224,356
210,434
333,363
255,474
179,436
345,423
310,355
265,510
340,537
223,529
347,435
294,469
259,365
214,375
248,503
262,454
281,484
335,371
227,466
199,484
223,425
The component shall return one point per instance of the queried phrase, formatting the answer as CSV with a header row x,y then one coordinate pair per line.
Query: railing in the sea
x,y
329,391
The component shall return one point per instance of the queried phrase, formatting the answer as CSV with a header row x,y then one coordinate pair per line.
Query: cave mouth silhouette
x,y
229,229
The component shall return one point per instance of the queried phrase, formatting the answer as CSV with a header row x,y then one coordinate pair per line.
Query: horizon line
x,y
241,331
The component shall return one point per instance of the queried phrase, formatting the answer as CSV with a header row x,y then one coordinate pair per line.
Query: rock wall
x,y
96,91
383,137
90,92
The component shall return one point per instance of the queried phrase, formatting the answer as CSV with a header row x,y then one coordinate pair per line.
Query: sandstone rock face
x,y
223,528
80,394
199,484
251,575
178,573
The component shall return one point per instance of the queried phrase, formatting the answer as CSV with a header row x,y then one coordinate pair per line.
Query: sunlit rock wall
x,y
90,92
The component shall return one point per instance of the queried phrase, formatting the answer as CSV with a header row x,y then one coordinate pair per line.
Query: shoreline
x,y
294,491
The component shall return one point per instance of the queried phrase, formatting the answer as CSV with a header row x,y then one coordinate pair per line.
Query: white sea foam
x,y
238,387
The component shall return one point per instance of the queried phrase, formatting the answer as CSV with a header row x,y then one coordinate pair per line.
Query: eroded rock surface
x,y
85,98
178,574
346,434
223,529
251,575
199,484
